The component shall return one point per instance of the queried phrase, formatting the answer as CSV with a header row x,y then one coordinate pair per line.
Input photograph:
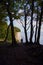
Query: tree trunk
x,y
25,26
31,32
36,26
11,23
39,29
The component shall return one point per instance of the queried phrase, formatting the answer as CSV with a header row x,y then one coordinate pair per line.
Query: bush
x,y
3,31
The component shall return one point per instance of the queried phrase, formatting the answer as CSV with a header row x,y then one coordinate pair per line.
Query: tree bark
x,y
25,25
31,32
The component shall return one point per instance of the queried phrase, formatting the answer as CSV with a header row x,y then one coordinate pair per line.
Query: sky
x,y
19,25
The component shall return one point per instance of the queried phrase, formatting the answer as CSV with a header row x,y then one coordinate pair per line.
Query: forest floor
x,y
30,54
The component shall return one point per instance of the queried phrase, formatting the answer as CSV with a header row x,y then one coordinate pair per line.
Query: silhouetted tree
x,y
21,5
25,25
11,22
25,21
8,5
32,9
39,29
36,26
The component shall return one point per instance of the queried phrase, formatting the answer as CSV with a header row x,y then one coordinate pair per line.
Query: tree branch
x,y
21,23
27,23
28,27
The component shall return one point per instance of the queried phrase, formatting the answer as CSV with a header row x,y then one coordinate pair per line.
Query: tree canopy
x,y
10,8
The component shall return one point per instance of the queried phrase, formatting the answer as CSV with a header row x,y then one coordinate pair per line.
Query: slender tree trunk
x,y
39,29
25,25
25,29
11,23
31,32
36,26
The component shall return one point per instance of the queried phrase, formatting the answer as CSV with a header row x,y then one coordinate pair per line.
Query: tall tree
x,y
25,20
25,14
32,9
11,23
7,4
39,29
36,26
